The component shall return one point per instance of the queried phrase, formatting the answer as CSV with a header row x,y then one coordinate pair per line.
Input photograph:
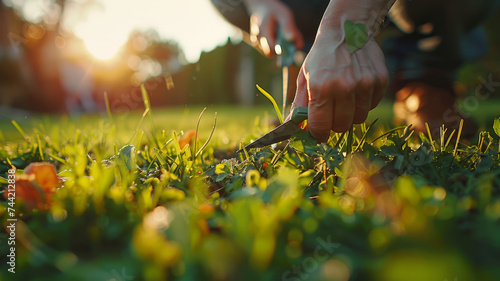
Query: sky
x,y
193,24
105,25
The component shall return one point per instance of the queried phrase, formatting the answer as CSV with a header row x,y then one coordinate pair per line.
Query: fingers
x,y
260,31
365,84
344,92
263,28
289,30
321,105
372,81
342,95
340,89
268,36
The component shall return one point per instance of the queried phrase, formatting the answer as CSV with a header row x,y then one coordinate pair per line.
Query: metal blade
x,y
282,132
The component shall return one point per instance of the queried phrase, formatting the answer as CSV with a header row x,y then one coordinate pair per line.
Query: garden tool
x,y
282,132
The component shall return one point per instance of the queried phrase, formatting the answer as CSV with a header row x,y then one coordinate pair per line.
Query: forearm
x,y
371,13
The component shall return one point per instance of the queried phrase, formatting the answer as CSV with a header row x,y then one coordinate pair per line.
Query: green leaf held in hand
x,y
356,35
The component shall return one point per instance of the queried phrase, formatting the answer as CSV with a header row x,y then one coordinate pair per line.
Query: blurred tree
x,y
227,75
51,77
9,70
36,36
145,59
150,56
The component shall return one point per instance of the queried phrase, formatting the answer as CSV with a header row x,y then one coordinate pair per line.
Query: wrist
x,y
371,13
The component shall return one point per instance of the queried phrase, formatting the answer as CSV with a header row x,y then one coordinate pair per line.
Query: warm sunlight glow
x,y
100,48
193,24
100,36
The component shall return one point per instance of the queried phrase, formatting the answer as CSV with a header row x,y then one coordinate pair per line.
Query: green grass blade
x,y
275,105
139,141
245,152
442,133
40,147
430,137
209,138
19,129
176,143
350,140
138,126
277,156
388,133
340,138
480,142
158,152
145,98
366,131
108,107
147,105
58,158
458,137
196,132
449,139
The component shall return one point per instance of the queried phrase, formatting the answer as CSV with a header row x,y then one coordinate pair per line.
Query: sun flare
x,y
102,39
101,49
194,25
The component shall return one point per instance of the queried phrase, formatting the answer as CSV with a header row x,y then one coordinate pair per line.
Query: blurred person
x,y
340,87
77,81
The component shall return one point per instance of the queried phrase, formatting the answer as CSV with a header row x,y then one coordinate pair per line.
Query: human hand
x,y
341,83
266,16
340,87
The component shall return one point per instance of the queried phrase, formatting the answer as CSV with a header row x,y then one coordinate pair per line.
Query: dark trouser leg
x,y
423,63
447,33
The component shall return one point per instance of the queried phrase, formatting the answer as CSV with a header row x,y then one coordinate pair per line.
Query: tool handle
x,y
299,114
287,49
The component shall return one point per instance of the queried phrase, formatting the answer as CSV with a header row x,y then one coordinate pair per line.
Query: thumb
x,y
301,96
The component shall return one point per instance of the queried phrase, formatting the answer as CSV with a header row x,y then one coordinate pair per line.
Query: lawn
x,y
162,195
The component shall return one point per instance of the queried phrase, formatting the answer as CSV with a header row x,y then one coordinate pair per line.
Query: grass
x,y
129,198
237,119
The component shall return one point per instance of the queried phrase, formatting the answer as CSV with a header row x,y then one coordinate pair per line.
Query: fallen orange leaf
x,y
187,138
36,185
206,208
45,175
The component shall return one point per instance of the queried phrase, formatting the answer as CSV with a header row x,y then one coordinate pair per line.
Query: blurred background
x,y
62,55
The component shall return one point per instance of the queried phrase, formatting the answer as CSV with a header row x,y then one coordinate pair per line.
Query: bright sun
x,y
193,24
101,39
101,50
